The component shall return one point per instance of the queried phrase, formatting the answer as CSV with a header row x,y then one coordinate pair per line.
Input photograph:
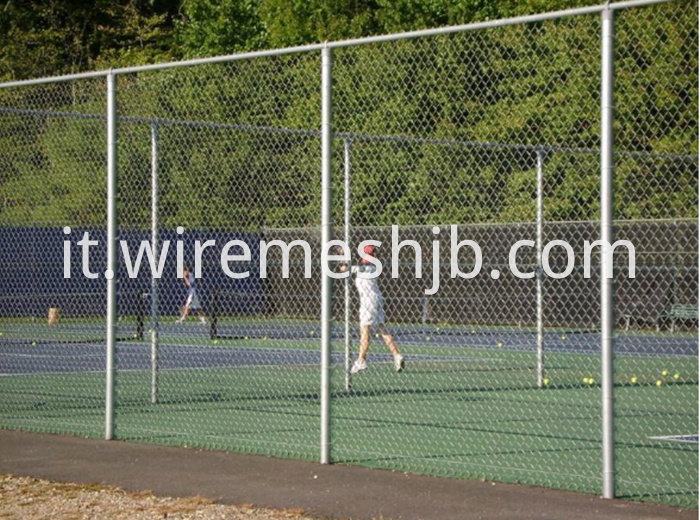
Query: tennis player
x,y
192,301
372,314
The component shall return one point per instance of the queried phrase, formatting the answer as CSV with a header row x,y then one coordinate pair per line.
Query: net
x,y
237,315
65,318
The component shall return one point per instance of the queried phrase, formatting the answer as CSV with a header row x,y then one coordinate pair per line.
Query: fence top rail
x,y
488,24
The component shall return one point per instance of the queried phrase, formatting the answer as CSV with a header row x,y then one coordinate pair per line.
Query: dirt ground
x,y
33,499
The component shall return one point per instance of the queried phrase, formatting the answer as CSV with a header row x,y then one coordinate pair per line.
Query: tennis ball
x,y
247,337
634,380
591,381
216,342
311,332
500,343
676,376
585,380
377,335
33,343
546,381
265,338
664,373
659,382
2,333
563,337
427,338
135,336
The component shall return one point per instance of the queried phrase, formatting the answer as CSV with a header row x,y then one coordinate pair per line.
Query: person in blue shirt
x,y
192,302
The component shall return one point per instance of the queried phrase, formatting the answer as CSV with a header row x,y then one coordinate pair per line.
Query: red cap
x,y
369,250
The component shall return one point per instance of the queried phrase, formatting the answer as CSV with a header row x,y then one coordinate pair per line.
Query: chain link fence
x,y
490,135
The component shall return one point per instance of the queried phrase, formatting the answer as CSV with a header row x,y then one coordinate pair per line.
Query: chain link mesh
x,y
234,162
656,357
493,135
53,176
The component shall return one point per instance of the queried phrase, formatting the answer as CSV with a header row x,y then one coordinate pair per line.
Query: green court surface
x,y
455,411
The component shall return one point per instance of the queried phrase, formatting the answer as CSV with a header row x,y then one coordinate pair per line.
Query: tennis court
x,y
461,394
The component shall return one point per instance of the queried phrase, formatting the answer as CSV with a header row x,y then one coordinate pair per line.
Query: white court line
x,y
688,439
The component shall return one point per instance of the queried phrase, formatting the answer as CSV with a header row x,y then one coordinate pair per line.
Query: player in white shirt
x,y
192,301
372,315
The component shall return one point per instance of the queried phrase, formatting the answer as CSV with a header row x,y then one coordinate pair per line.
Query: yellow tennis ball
x,y
585,380
664,373
676,376
33,343
659,382
563,337
591,381
634,380
546,381
427,338
500,343
216,342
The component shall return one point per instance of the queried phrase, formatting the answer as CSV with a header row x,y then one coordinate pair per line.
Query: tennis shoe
x,y
398,362
359,365
180,320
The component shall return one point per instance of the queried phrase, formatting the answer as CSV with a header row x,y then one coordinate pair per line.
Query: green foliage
x,y
47,37
212,27
522,86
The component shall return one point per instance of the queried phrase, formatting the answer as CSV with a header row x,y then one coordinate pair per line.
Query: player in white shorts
x,y
192,302
372,315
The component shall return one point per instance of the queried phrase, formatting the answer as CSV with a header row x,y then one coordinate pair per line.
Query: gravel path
x,y
29,498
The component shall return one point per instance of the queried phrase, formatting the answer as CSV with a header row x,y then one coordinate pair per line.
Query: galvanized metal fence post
x,y
607,322
346,210
540,274
326,236
111,274
156,255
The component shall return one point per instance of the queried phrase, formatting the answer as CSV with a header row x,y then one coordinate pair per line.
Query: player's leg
x,y
185,312
361,361
197,306
365,335
389,340
186,309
